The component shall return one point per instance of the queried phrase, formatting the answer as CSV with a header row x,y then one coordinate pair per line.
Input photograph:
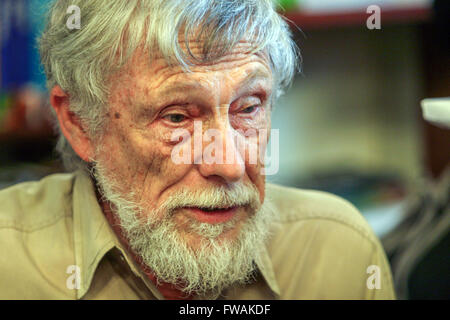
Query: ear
x,y
70,124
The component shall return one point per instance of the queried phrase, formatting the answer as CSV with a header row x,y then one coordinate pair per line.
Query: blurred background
x,y
351,124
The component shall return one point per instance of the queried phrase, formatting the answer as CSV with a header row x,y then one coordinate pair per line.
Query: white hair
x,y
216,263
82,60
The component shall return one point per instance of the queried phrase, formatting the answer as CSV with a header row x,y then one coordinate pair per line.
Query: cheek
x,y
129,157
254,138
254,160
148,157
260,120
141,151
152,158
257,178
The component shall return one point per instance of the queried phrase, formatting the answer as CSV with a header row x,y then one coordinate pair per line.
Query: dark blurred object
x,y
441,11
436,57
430,278
25,127
418,248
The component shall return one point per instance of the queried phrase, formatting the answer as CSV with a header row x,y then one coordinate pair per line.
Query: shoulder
x,y
297,206
32,205
36,238
321,247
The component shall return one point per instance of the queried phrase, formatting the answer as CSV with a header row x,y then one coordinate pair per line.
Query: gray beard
x,y
215,264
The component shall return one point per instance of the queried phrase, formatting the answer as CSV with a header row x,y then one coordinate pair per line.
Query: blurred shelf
x,y
312,20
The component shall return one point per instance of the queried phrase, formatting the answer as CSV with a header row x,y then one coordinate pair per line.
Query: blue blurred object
x,y
15,37
21,22
37,10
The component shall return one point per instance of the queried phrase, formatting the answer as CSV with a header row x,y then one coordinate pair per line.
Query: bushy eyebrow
x,y
255,76
177,91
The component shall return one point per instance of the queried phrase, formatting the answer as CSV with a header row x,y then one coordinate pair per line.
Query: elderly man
x,y
151,210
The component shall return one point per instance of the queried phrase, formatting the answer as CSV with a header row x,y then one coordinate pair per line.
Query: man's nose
x,y
226,160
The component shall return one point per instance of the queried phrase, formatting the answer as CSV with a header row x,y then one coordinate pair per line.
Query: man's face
x,y
150,100
200,222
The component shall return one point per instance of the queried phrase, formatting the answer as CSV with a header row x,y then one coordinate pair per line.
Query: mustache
x,y
233,195
237,194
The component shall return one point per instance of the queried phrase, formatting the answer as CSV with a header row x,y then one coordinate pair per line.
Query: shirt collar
x,y
266,268
93,238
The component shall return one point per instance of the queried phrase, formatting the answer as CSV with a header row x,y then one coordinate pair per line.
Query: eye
x,y
249,110
175,118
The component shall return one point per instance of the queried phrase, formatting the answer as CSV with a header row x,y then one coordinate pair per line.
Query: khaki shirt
x,y
53,232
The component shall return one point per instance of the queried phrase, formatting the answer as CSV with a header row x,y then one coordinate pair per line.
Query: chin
x,y
197,239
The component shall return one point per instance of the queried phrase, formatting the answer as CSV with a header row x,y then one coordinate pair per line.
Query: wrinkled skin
x,y
150,99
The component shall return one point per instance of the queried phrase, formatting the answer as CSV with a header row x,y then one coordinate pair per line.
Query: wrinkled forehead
x,y
149,75
154,61
199,48
191,48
